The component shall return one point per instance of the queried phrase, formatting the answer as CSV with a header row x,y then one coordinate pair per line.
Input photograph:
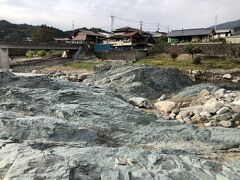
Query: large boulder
x,y
139,81
52,129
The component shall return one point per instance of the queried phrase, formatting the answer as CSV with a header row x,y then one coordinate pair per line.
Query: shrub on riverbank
x,y
42,53
185,62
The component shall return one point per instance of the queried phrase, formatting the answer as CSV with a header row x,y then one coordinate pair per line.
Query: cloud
x,y
174,13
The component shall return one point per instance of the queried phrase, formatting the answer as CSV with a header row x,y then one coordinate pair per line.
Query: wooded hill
x,y
21,32
230,25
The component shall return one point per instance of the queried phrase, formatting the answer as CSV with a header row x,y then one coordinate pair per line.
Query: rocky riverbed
x,y
207,106
55,129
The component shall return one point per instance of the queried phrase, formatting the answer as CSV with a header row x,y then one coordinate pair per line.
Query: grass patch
x,y
186,64
84,65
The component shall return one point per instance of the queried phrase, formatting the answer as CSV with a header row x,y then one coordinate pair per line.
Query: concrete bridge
x,y
77,50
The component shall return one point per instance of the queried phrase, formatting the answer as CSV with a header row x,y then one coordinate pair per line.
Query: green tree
x,y
43,34
163,40
192,50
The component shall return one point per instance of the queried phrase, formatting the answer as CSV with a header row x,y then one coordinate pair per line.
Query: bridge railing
x,y
33,43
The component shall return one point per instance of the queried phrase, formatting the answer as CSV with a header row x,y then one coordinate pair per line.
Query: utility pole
x,y
112,22
168,28
141,25
158,27
73,28
216,21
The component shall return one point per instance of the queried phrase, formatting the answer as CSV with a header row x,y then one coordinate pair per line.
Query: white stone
x,y
181,121
227,76
211,101
178,117
187,120
236,80
238,97
220,92
204,92
205,114
172,116
237,103
73,77
141,102
209,124
196,72
196,118
236,108
165,106
222,110
212,105
162,98
64,55
34,71
153,158
194,109
226,124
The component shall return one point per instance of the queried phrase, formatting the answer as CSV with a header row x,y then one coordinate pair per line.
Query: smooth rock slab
x,y
99,162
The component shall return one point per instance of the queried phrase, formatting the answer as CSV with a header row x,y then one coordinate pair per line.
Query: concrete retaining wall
x,y
228,50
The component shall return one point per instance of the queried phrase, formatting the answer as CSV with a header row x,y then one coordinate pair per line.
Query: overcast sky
x,y
89,13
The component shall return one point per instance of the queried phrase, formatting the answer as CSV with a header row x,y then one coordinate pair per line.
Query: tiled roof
x,y
90,33
130,34
190,32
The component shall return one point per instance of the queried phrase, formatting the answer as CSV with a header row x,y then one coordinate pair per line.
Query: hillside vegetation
x,y
21,32
230,25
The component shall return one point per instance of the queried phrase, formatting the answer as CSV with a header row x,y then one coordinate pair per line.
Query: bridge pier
x,y
4,59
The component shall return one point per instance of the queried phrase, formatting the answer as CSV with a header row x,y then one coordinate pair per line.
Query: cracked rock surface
x,y
52,129
138,80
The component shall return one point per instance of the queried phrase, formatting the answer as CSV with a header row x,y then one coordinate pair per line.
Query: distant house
x,y
105,34
62,40
128,38
126,29
158,36
191,35
233,39
236,31
223,33
88,37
